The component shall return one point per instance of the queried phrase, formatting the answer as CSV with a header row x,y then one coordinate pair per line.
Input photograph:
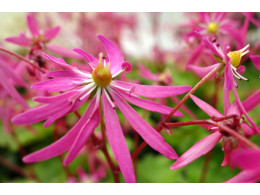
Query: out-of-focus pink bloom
x,y
230,143
40,40
213,26
249,161
8,80
88,178
256,61
77,86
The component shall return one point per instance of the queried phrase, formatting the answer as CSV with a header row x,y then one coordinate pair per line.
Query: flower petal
x,y
10,89
32,25
58,61
57,84
197,150
87,129
150,135
256,60
89,58
117,141
252,101
206,107
51,33
195,54
144,72
246,159
245,176
154,91
64,143
21,40
202,71
147,104
64,52
114,54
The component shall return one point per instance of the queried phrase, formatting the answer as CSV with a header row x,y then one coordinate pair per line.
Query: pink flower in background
x,y
86,178
8,80
256,61
249,161
229,143
77,86
40,40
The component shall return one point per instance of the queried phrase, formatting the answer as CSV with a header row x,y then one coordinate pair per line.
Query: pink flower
x,y
77,86
249,161
230,143
231,60
40,40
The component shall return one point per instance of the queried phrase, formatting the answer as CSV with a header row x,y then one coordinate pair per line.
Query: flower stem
x,y
161,125
22,58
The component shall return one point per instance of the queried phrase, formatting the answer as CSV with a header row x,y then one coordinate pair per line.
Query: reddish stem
x,y
22,58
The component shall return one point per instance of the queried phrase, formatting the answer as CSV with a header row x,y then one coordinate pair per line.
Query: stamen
x,y
89,88
88,75
108,98
98,97
237,75
83,81
117,73
131,90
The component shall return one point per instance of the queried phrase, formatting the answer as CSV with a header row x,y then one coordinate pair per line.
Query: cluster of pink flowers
x,y
216,45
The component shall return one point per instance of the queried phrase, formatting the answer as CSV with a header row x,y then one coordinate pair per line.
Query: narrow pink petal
x,y
154,91
206,107
244,111
197,150
32,25
64,52
64,73
89,58
40,113
147,104
196,53
252,101
51,33
64,143
10,73
114,54
58,84
256,60
58,61
20,40
10,89
247,159
117,141
210,45
144,72
245,176
202,71
248,129
58,114
234,109
229,79
53,99
150,135
87,129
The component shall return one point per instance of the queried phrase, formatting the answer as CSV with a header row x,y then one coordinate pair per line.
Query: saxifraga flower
x,y
77,86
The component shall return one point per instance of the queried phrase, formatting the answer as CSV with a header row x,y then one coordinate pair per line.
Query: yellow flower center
x,y
101,75
213,27
235,56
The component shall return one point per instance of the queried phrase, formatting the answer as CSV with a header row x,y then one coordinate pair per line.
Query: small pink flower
x,y
40,40
77,86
